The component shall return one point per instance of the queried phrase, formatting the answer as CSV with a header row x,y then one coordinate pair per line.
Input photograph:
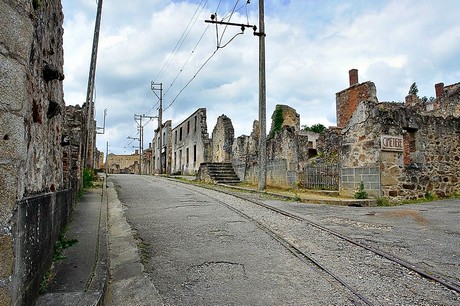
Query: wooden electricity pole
x,y
88,158
159,87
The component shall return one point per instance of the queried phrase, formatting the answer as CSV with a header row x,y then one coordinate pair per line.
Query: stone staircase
x,y
218,173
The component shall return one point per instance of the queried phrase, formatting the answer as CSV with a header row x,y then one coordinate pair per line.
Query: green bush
x,y
429,196
361,193
88,178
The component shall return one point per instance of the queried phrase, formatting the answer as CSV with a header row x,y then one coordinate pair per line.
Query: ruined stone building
x,y
288,149
123,164
190,144
399,150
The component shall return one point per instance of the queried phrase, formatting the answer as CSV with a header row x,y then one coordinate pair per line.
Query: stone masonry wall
x,y
123,163
73,138
290,146
290,118
448,102
427,161
222,140
31,119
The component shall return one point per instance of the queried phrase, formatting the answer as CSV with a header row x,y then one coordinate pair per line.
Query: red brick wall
x,y
347,101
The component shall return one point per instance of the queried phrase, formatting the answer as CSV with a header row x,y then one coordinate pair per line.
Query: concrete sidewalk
x,y
82,277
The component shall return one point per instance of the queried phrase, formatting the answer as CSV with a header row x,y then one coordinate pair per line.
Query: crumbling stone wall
x,y
447,101
427,161
290,146
290,118
245,154
287,150
31,119
348,100
222,140
328,145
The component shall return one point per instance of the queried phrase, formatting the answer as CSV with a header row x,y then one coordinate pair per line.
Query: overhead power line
x,y
218,46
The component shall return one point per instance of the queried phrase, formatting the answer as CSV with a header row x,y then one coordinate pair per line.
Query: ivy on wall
x,y
277,120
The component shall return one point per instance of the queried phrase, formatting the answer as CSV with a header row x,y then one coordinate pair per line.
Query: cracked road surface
x,y
199,252
206,247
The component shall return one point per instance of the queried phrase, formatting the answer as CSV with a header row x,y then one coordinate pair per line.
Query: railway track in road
x,y
369,275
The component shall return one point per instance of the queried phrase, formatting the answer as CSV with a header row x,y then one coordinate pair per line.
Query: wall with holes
x,y
31,119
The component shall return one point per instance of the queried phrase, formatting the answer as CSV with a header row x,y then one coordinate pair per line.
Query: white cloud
x,y
311,45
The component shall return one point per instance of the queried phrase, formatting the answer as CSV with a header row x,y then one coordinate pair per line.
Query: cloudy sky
x,y
310,47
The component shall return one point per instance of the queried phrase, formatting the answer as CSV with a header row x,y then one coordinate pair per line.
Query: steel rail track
x,y
355,297
431,275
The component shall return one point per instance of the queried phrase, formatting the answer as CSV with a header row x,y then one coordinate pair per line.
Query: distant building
x,y
127,164
162,164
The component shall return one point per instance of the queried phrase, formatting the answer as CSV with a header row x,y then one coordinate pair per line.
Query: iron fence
x,y
324,177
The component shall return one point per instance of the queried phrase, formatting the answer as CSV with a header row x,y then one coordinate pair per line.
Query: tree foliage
x,y
317,128
413,90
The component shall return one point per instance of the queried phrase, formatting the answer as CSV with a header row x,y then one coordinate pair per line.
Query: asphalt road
x,y
198,250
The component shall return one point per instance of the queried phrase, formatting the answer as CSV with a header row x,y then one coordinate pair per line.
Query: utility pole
x,y
155,88
137,138
141,137
106,160
262,101
262,90
90,134
141,140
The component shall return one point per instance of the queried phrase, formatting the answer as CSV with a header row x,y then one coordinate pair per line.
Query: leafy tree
x,y
317,128
413,90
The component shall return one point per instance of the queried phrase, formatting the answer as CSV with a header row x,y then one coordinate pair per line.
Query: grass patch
x,y
60,245
383,202
88,178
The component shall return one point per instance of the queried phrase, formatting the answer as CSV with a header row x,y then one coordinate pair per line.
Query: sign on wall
x,y
391,143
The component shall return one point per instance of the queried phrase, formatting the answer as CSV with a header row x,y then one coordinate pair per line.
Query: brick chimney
x,y
353,75
438,89
136,152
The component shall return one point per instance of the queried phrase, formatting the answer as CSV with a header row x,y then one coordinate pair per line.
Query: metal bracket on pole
x,y
103,127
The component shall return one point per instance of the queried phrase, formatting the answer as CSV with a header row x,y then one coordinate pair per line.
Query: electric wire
x,y
183,37
218,46
225,28
188,58
190,81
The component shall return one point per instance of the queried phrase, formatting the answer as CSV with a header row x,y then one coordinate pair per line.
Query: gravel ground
x,y
425,234
203,253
